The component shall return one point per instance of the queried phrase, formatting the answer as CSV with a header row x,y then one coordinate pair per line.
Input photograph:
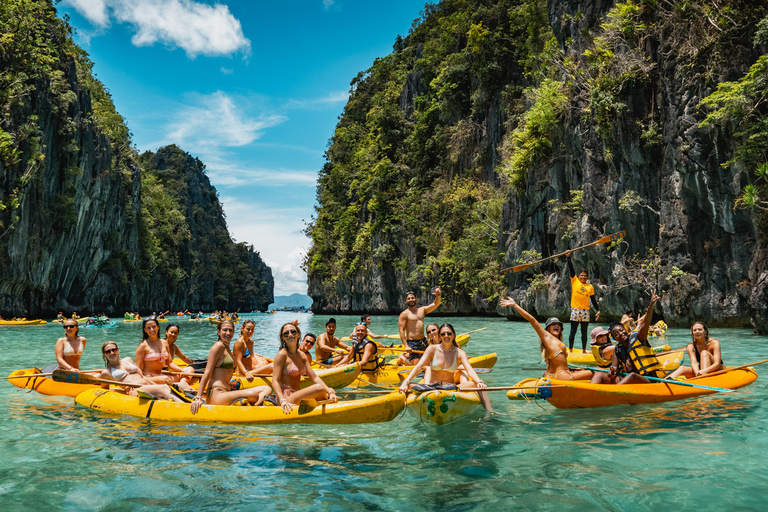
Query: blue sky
x,y
252,88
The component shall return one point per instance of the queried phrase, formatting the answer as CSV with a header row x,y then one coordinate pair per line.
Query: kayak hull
x,y
578,356
46,385
369,410
391,374
23,322
583,395
440,407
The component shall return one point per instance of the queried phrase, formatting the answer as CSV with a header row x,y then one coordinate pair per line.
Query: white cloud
x,y
214,121
197,28
327,4
227,71
276,233
331,99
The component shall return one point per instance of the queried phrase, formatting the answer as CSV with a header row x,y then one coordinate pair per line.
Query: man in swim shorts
x,y
410,324
329,349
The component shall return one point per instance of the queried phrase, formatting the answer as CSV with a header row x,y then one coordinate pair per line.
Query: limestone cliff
x,y
587,115
72,221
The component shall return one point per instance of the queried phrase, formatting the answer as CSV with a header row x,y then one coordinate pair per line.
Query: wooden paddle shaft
x,y
603,240
720,372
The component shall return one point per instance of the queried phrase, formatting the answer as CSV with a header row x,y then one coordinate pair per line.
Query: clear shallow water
x,y
701,454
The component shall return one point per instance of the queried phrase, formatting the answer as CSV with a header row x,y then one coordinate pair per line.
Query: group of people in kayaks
x,y
631,359
153,368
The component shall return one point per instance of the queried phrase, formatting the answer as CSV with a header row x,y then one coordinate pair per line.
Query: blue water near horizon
x,y
706,453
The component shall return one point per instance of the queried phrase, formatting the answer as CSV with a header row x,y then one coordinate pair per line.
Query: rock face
x,y
711,262
627,153
71,205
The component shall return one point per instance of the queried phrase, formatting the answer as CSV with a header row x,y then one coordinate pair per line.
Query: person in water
x,y
444,360
124,370
703,352
553,350
581,294
69,349
633,355
410,325
330,350
215,386
290,363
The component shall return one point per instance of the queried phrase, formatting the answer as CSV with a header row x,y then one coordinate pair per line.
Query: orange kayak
x,y
46,385
580,394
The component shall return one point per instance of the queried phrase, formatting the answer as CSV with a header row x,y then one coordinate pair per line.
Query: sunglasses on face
x,y
109,351
292,332
433,331
310,343
70,326
446,334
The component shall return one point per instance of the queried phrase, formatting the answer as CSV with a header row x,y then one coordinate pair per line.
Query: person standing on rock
x,y
410,325
581,294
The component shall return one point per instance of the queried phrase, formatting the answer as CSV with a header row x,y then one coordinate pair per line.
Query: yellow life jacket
x,y
602,363
642,356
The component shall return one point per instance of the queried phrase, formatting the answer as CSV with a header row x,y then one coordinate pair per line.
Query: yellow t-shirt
x,y
580,293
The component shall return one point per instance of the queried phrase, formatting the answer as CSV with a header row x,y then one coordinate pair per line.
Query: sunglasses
x,y
432,331
292,332
70,326
446,334
310,343
110,350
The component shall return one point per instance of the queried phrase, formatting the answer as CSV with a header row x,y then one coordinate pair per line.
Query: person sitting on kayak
x,y
153,354
363,351
124,370
215,388
307,343
628,321
329,349
243,350
553,350
171,336
444,360
602,348
410,325
290,363
633,354
703,352
69,349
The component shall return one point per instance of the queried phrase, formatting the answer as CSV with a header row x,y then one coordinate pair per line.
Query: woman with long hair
x,y
290,363
703,352
123,370
69,349
214,386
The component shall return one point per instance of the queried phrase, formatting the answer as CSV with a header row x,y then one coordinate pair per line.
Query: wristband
x,y
198,398
283,400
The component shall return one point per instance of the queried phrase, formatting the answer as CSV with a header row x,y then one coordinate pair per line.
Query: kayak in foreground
x,y
396,350
23,322
393,374
580,394
578,356
368,410
441,407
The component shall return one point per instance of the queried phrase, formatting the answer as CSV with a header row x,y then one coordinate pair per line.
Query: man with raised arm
x,y
410,324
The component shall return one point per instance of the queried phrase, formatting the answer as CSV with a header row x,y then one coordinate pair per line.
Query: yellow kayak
x,y
216,321
79,320
578,356
23,322
46,385
441,407
368,410
392,374
336,378
386,350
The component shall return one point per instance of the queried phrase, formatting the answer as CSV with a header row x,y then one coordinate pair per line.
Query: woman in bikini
x,y
69,349
444,360
553,350
290,363
214,384
171,335
123,370
703,352
153,354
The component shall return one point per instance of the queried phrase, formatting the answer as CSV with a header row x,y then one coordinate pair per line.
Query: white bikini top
x,y
69,351
120,374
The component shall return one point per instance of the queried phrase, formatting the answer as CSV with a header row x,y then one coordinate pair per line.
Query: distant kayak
x,y
23,322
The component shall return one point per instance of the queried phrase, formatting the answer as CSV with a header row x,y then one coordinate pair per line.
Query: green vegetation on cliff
x,y
410,182
86,222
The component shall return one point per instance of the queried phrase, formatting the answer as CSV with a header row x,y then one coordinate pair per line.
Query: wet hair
x,y
103,355
280,334
225,321
330,321
706,331
151,318
171,324
450,327
246,322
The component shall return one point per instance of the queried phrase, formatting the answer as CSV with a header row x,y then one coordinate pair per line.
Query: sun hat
x,y
597,331
553,320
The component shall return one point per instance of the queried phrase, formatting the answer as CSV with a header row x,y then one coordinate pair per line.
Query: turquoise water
x,y
706,453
